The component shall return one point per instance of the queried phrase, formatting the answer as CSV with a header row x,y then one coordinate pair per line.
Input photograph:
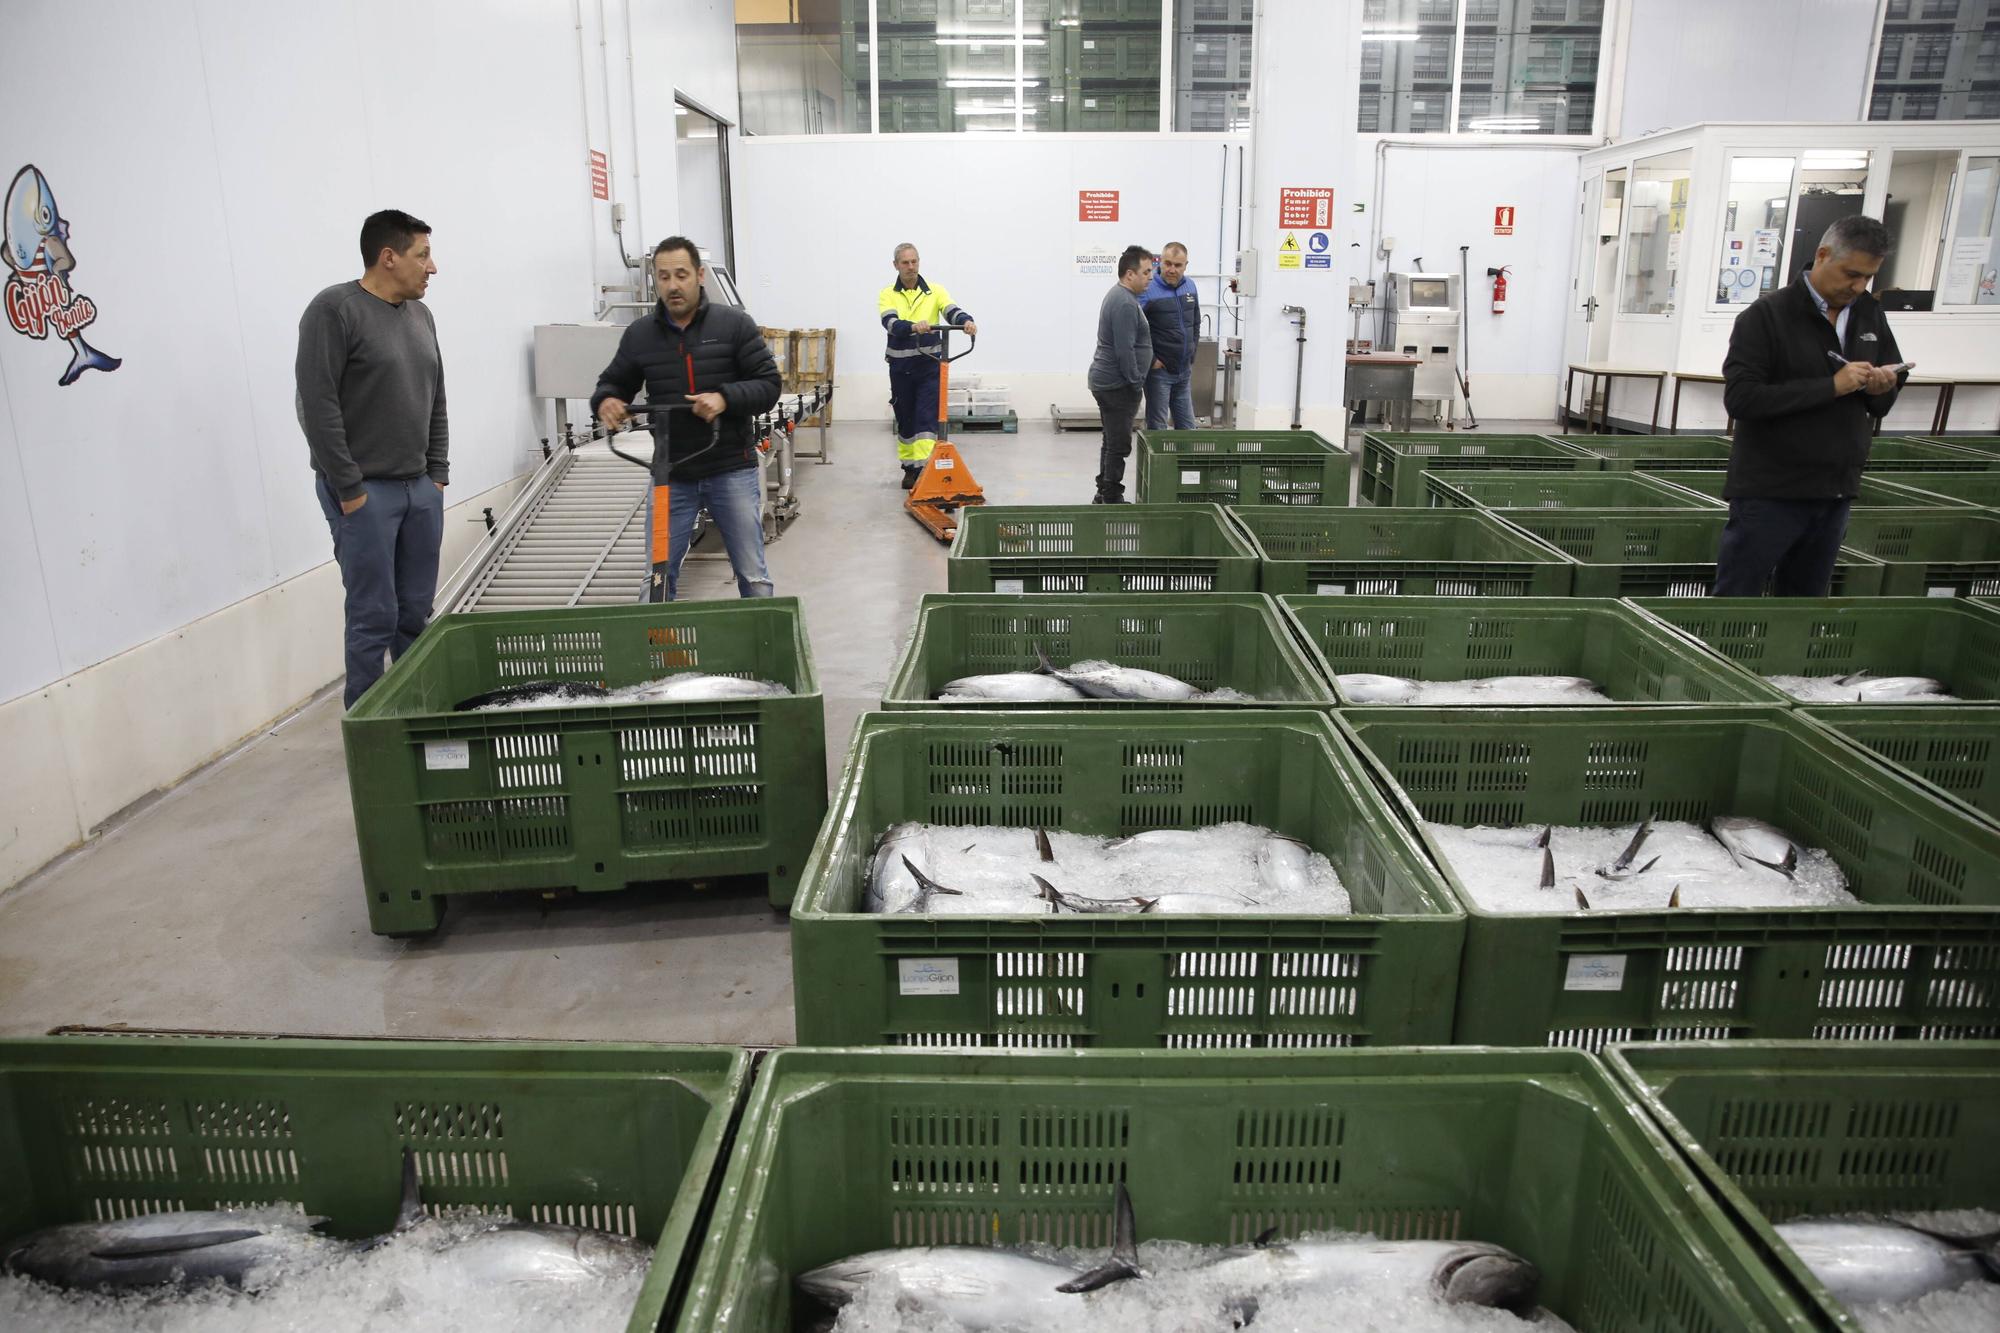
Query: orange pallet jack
x,y
946,485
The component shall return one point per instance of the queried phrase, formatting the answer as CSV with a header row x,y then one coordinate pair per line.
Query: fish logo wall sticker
x,y
38,294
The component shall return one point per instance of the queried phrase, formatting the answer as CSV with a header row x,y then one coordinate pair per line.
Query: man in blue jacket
x,y
1173,312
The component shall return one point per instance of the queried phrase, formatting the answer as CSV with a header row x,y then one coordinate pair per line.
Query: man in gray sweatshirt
x,y
1118,370
371,402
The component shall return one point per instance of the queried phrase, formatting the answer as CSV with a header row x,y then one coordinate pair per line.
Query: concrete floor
x,y
234,902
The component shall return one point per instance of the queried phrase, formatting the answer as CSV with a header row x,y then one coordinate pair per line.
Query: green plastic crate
x,y
1953,753
1281,467
1943,638
1656,553
1928,874
1558,490
1413,552
594,797
625,1138
1873,490
1979,444
1950,490
1930,552
1393,463
1778,1130
1383,975
1902,453
1442,638
1099,548
1210,640
1653,453
1540,1151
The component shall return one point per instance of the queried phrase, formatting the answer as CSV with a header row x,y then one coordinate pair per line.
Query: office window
x,y
1932,54
1655,223
1754,214
994,66
1972,270
1527,66
1921,183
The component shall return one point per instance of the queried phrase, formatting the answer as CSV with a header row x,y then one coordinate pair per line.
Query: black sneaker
x,y
911,471
1109,500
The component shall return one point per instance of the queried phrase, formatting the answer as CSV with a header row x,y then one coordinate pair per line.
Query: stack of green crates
x,y
1783,1130
1412,552
1946,639
1919,958
1874,490
1628,656
1656,553
1930,552
1158,548
1538,1151
1213,641
593,796
622,1138
1653,453
1393,463
1383,975
1280,467
1559,490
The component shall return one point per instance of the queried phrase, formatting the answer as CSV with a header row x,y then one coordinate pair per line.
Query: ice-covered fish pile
x,y
1732,862
271,1268
681,688
1364,687
1907,1272
1048,683
1326,1281
949,869
1864,687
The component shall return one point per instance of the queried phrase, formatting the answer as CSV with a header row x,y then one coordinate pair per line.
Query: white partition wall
x,y
1684,229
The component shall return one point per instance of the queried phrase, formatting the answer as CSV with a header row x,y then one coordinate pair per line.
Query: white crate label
x,y
1190,478
1333,590
1010,585
942,465
447,754
1940,592
1595,971
1089,45
927,976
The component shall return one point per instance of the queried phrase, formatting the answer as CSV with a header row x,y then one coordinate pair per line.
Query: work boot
x,y
911,471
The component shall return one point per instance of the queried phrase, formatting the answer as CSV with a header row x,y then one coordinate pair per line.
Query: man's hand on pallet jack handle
x,y
614,413
708,406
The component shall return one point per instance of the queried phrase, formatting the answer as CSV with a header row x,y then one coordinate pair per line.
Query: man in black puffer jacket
x,y
1811,369
714,359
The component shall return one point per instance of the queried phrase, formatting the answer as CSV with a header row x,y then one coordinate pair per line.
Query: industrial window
x,y
1931,55
1480,66
994,66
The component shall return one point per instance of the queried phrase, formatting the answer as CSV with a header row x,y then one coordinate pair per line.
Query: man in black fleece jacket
x,y
713,359
1811,369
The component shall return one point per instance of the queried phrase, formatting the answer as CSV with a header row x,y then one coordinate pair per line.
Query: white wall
x,y
995,220
1690,60
215,173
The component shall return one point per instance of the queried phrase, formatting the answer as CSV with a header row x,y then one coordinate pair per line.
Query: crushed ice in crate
x,y
398,1286
1176,1295
1866,690
1972,1308
1368,688
1501,870
1224,868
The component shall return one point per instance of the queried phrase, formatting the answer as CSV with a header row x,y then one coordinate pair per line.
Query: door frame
x,y
723,126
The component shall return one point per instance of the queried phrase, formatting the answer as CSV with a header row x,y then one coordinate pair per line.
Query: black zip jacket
x,y
720,351
1794,439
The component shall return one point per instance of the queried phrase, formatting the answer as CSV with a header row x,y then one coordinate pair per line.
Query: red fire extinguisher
x,y
1499,276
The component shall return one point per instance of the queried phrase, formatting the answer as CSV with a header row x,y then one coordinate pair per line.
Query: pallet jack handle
x,y
657,543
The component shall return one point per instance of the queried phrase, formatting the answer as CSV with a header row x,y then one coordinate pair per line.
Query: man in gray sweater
x,y
371,402
1118,370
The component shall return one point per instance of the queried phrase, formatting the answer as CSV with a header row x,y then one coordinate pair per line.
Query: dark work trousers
x,y
388,556
913,390
1790,544
1117,408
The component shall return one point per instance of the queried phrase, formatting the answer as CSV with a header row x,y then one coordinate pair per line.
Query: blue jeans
x,y
1791,544
1169,393
388,556
734,500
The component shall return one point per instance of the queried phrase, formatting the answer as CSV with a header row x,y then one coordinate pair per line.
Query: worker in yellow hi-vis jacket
x,y
912,313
